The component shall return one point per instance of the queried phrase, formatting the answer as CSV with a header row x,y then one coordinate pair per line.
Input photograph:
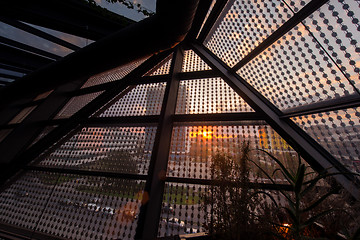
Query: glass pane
x,y
23,202
75,104
32,40
43,95
162,68
244,27
22,115
338,132
113,74
295,71
107,149
211,95
73,206
336,27
141,100
182,211
84,207
193,148
296,5
192,62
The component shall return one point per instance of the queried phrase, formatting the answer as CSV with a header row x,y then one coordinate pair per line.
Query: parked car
x,y
168,210
175,222
107,211
191,230
93,207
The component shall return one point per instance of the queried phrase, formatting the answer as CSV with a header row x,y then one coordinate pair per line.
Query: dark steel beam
x,y
199,18
13,68
345,102
292,22
149,217
39,33
210,22
15,57
149,79
23,157
245,116
318,158
28,48
8,76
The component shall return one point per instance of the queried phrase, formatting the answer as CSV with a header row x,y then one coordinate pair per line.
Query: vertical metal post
x,y
150,211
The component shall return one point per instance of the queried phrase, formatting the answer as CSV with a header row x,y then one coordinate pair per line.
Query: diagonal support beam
x,y
39,33
309,149
149,217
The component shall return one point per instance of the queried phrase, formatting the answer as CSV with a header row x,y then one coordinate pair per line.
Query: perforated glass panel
x,y
194,146
210,95
161,68
192,62
22,115
75,104
141,100
23,202
113,74
338,132
84,207
107,149
245,26
181,211
295,71
336,26
43,95
73,206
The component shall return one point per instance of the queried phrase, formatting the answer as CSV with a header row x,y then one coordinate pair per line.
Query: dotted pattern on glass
x,y
4,133
75,104
43,133
162,68
338,132
182,211
211,95
22,115
192,148
192,62
296,5
295,71
113,74
84,207
244,27
108,149
141,100
337,28
23,202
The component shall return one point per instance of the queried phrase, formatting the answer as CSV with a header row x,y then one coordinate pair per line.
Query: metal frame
x,y
311,151
156,179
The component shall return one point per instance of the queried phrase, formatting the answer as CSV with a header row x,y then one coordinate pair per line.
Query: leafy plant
x,y
299,215
231,199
